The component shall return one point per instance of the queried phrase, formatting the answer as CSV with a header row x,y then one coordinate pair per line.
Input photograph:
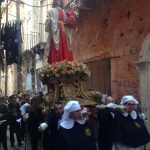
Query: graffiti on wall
x,y
124,87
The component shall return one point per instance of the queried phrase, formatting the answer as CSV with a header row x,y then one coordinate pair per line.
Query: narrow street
x,y
16,147
75,74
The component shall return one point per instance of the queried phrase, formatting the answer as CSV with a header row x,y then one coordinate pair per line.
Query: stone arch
x,y
145,51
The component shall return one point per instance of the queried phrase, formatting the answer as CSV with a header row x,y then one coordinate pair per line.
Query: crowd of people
x,y
11,118
121,127
70,127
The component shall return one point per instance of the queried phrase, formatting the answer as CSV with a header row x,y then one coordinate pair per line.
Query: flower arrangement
x,y
63,69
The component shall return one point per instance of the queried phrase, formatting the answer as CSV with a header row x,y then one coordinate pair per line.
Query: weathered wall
x,y
115,29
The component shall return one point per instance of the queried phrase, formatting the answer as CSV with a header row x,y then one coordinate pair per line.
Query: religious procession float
x,y
62,75
64,81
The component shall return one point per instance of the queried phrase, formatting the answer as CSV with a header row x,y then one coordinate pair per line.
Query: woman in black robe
x,y
130,130
105,118
74,132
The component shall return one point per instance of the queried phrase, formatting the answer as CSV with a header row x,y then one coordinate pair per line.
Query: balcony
x,y
35,40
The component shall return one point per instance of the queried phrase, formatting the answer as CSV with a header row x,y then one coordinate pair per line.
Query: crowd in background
x,y
71,126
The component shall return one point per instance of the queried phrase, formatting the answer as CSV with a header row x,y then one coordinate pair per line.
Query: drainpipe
x,y
5,62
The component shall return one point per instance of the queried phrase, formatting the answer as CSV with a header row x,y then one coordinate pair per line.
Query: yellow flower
x,y
65,67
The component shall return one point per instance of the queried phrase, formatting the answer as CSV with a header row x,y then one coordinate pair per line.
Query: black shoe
x,y
20,144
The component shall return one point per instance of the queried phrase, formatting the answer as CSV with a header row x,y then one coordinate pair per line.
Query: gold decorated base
x,y
64,83
66,89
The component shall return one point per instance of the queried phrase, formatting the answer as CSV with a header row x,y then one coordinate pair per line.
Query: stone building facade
x,y
113,39
114,31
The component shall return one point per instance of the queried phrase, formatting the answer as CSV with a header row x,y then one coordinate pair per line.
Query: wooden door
x,y
100,79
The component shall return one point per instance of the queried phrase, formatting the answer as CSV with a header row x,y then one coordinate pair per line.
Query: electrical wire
x,y
24,4
21,2
27,5
12,15
4,11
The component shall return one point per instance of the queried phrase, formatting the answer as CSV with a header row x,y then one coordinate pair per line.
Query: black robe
x,y
79,137
3,126
35,119
51,133
130,132
106,129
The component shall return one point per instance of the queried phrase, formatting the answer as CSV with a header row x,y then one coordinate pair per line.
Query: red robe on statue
x,y
63,52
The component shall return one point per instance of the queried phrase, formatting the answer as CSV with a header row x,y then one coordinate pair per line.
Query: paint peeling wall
x,y
114,29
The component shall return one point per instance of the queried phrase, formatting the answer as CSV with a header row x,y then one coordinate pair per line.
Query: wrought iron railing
x,y
34,38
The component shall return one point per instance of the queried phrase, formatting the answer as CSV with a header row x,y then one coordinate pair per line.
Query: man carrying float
x,y
62,75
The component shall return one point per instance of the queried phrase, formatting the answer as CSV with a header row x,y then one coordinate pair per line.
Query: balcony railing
x,y
34,38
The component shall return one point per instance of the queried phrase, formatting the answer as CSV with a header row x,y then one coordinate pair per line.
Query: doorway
x,y
100,79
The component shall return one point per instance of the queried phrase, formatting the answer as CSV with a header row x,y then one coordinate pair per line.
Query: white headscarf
x,y
66,122
127,98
